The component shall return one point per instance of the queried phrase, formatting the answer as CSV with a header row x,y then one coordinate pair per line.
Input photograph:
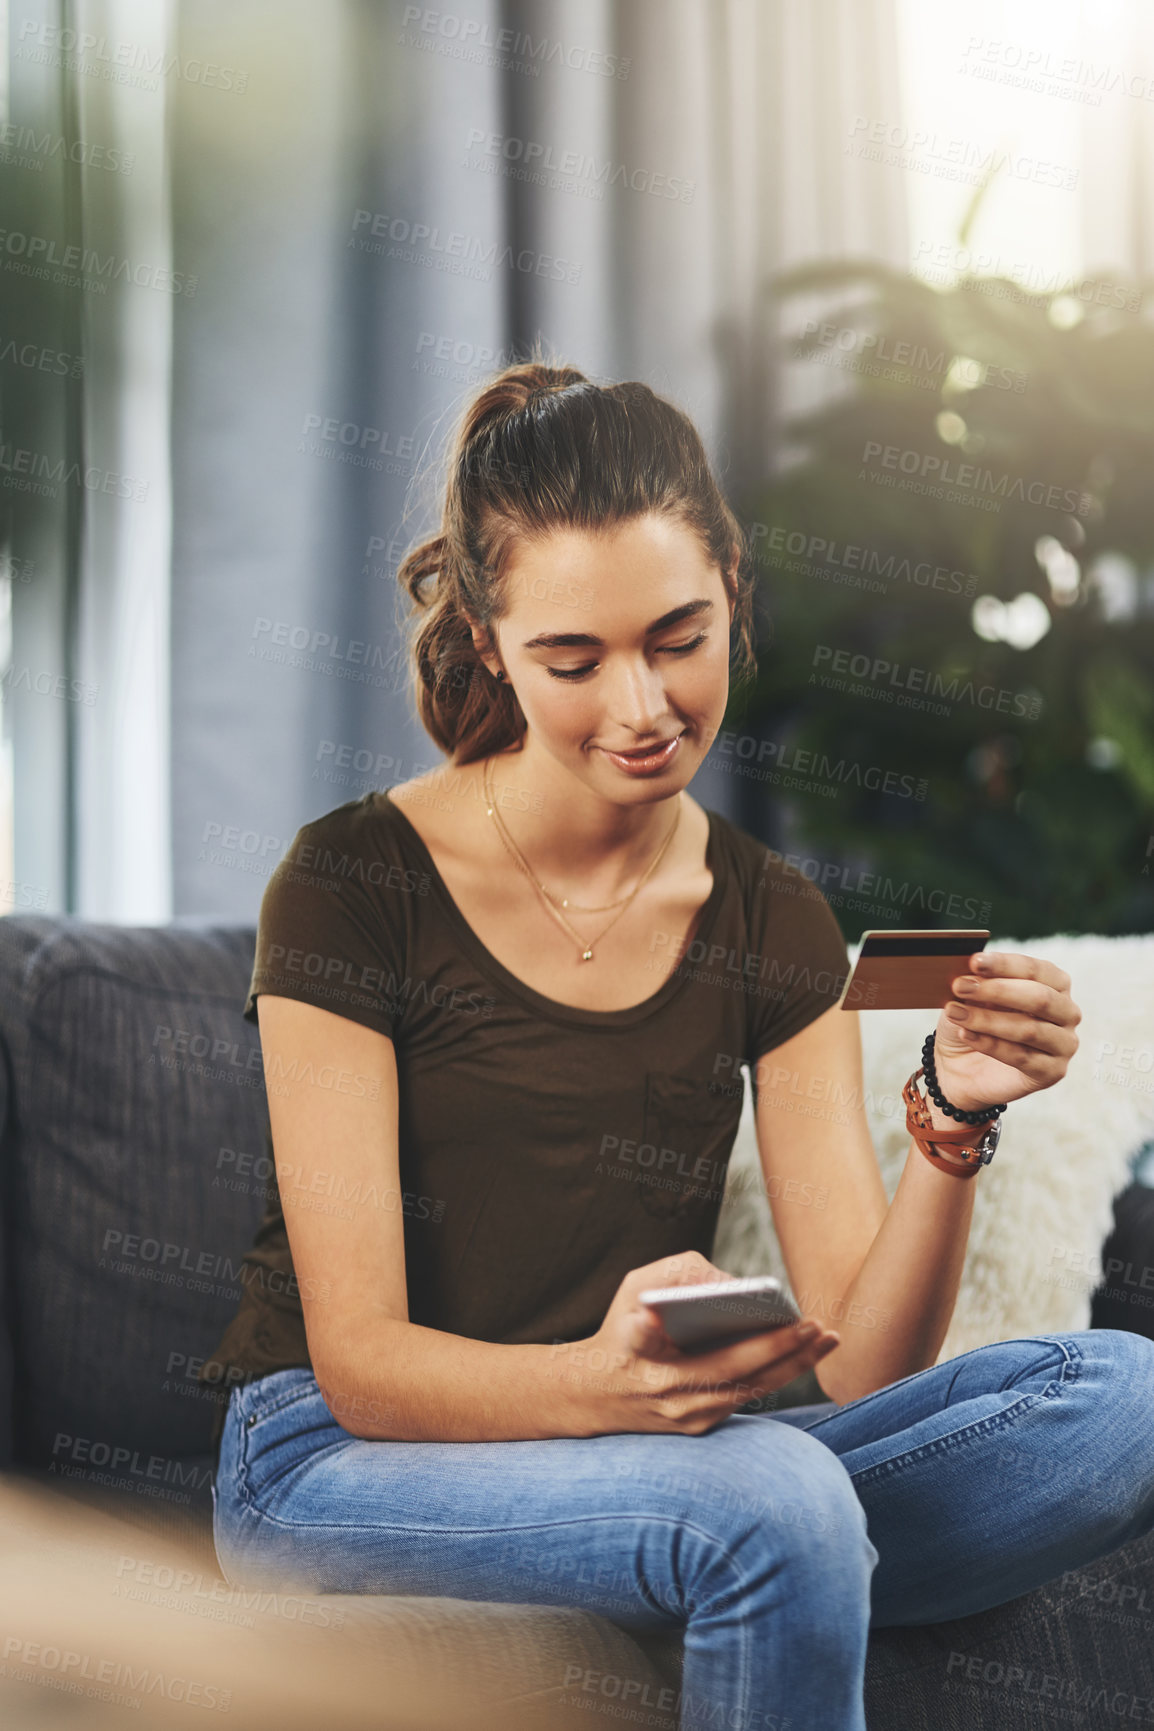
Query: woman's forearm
x,y
401,1382
895,1314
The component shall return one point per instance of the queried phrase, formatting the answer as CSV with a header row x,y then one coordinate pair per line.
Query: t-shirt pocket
x,y
682,1158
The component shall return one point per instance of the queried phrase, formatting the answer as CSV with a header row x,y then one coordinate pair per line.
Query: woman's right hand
x,y
630,1376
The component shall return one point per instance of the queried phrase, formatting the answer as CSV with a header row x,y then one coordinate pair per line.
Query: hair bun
x,y
514,390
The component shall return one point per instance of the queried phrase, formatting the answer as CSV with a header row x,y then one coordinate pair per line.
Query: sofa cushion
x,y
1077,1651
135,1092
1125,1298
18,938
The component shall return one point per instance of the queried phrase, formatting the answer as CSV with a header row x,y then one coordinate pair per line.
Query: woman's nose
x,y
635,696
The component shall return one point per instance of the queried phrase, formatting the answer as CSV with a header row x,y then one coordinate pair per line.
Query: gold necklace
x,y
581,907
564,901
585,946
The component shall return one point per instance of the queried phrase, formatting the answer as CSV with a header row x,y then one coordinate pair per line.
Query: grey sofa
x,y
132,1128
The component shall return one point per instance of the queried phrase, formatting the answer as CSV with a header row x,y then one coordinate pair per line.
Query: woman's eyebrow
x,y
586,639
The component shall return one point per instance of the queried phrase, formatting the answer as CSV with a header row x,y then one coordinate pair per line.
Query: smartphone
x,y
908,970
717,1311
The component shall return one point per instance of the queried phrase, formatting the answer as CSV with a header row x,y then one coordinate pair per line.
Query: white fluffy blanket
x,y
1043,1206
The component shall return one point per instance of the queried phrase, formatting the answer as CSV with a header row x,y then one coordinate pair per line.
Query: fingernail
x,y
808,1330
964,984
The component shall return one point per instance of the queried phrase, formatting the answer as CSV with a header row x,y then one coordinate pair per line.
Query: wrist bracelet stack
x,y
971,1155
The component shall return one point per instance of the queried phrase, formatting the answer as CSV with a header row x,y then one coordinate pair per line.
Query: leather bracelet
x,y
920,1124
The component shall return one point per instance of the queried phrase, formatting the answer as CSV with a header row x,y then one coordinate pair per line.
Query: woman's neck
x,y
567,830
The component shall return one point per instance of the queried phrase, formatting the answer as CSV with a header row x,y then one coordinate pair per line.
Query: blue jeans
x,y
775,1540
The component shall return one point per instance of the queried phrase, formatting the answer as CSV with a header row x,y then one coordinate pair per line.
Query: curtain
x,y
87,322
1115,72
340,196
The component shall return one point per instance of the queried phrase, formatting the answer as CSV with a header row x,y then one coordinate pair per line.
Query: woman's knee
x,y
812,1508
1119,1367
1123,1353
773,1505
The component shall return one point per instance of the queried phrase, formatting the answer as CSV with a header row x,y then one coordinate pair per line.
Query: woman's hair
x,y
537,448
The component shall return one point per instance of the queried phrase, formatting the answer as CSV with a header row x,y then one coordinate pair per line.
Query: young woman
x,y
501,1007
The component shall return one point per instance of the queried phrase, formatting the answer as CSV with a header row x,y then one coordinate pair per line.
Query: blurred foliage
x,y
1048,397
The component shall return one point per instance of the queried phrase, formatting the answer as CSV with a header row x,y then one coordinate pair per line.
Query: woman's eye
x,y
666,649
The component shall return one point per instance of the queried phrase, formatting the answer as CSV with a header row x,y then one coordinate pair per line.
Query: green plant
x,y
990,442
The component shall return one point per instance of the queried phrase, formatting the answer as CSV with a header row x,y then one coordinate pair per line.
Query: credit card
x,y
909,970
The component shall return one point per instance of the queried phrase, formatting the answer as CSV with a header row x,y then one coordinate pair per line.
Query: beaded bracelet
x,y
939,1099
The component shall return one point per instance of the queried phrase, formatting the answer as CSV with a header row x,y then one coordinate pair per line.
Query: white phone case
x,y
714,1311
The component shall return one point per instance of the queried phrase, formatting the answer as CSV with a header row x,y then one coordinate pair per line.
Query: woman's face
x,y
618,642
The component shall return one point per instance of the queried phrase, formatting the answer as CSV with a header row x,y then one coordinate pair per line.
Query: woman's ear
x,y
484,646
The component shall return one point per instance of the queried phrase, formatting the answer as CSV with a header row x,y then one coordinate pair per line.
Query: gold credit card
x,y
909,970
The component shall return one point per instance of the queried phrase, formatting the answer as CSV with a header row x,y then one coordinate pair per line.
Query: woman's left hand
x,y
1008,1032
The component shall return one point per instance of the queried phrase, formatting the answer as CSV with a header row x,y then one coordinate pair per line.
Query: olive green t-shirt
x,y
544,1150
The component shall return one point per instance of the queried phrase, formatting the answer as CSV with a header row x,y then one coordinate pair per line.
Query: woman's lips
x,y
646,761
